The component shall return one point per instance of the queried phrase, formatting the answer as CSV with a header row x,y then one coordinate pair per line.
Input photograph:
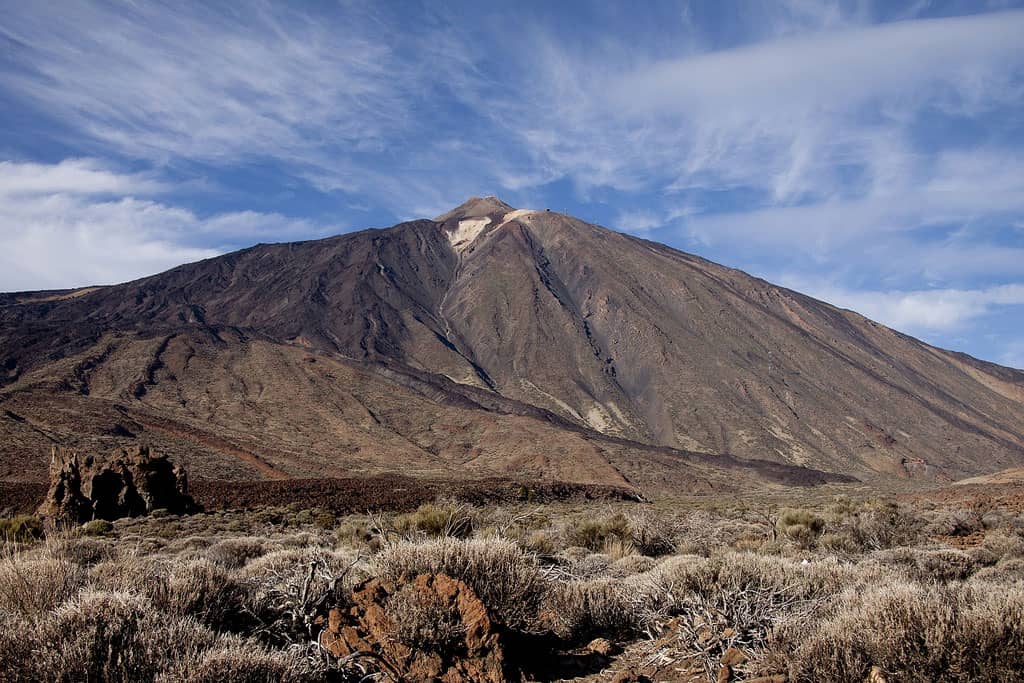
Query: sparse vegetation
x,y
825,591
20,528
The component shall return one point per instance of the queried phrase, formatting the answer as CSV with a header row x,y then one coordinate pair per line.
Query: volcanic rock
x,y
474,655
129,482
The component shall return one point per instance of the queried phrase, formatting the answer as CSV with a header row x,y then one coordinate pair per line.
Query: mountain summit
x,y
492,341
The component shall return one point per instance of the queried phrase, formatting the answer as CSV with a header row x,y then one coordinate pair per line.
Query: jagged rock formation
x,y
493,341
126,483
463,644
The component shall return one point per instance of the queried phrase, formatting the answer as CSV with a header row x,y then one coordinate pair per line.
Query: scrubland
x,y
839,590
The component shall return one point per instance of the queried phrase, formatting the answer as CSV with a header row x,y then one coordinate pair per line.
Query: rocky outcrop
x,y
383,620
125,483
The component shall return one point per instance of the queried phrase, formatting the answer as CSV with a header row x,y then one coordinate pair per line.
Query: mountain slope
x,y
490,341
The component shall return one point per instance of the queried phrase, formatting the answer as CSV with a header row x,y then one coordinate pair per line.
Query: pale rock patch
x,y
469,229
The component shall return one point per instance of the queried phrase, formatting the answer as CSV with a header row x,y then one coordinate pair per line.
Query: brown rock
x,y
601,646
373,624
126,483
733,657
777,678
730,658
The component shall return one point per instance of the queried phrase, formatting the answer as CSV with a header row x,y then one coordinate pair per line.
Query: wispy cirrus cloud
x,y
873,147
943,219
206,81
794,118
339,97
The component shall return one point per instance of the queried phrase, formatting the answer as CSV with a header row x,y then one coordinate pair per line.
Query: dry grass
x,y
819,593
913,632
506,579
32,586
423,620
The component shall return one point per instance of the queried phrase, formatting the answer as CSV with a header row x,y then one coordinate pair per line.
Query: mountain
x,y
492,342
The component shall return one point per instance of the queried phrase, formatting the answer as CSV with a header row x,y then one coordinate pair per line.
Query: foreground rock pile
x,y
465,643
125,483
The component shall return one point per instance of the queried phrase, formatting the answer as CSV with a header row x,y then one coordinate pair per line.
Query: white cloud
x,y
639,221
922,311
792,117
887,228
339,96
350,103
71,224
830,71
71,176
206,82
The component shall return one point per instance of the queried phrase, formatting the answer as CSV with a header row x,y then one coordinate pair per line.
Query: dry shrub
x,y
182,587
839,543
141,545
574,553
324,519
286,590
740,595
82,551
21,529
96,527
424,620
928,565
750,544
206,592
946,565
733,574
510,522
290,565
914,633
356,532
133,573
803,527
982,556
189,544
652,534
16,643
955,523
1004,544
589,567
431,520
235,552
1007,570
592,534
541,542
582,610
883,526
234,660
301,539
113,637
30,586
701,533
505,578
632,564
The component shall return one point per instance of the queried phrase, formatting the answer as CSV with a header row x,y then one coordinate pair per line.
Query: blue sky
x,y
868,153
